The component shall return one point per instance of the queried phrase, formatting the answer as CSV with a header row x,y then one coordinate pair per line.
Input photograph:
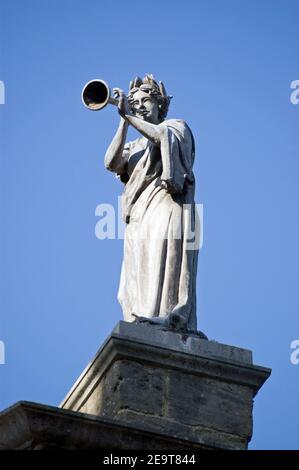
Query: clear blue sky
x,y
229,65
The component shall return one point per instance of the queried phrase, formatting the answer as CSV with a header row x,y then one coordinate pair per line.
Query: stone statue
x,y
158,277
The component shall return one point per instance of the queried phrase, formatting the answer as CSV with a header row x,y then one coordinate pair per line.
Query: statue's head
x,y
148,99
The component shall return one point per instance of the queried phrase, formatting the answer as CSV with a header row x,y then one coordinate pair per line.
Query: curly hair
x,y
149,85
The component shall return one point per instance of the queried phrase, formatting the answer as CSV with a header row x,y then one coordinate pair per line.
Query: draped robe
x,y
161,242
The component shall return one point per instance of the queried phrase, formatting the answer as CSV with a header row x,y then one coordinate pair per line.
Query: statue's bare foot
x,y
177,322
153,320
173,321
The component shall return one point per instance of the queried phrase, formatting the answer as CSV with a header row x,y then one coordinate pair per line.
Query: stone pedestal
x,y
33,426
188,388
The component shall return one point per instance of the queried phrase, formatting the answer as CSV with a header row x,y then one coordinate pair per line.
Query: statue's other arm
x,y
153,132
114,160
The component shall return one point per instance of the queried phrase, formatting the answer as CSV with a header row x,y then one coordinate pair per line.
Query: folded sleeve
x,y
177,153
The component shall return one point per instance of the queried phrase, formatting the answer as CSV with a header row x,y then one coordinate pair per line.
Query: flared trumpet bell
x,y
96,94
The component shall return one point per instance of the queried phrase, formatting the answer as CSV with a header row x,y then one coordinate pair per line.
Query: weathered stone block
x,y
126,377
217,405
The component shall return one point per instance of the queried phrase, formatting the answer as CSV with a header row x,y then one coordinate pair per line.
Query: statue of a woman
x,y
158,278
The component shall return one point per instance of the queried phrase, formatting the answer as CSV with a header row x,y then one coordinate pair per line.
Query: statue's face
x,y
146,107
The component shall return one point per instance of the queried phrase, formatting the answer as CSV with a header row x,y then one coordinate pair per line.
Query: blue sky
x,y
229,65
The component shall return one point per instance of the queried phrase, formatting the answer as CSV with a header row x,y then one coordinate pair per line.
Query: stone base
x,y
185,387
32,426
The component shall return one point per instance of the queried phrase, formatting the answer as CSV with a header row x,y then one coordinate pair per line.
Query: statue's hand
x,y
123,106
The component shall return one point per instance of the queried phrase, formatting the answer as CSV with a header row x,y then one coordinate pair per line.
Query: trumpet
x,y
96,94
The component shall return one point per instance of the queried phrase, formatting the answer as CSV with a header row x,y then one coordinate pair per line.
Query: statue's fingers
x,y
117,91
